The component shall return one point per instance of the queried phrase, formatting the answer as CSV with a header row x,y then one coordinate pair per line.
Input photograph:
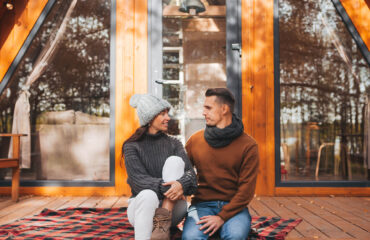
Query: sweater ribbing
x,y
145,159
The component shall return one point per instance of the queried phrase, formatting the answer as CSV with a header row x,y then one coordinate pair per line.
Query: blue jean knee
x,y
191,229
237,227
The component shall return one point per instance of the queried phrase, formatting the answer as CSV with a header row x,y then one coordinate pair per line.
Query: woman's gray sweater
x,y
144,160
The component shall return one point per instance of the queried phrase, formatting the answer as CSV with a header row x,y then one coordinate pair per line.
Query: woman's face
x,y
160,122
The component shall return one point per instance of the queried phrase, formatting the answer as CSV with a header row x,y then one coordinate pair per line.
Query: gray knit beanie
x,y
148,106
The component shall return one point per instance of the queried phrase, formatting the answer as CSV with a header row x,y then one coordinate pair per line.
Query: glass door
x,y
193,46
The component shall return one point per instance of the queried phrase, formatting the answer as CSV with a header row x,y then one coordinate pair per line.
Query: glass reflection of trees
x,y
324,82
77,77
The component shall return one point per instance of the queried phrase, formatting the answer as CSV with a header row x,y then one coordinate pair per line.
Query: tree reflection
x,y
324,79
76,78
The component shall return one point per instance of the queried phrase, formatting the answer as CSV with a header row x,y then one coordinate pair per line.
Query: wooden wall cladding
x,y
130,78
131,75
15,25
258,85
359,12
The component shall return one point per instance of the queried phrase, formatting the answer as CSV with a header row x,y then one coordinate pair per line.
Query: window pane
x,y
324,91
69,97
194,59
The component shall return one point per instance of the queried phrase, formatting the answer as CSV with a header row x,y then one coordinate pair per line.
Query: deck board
x,y
323,217
357,221
73,202
122,202
357,208
92,202
349,207
316,220
107,202
341,223
306,228
24,209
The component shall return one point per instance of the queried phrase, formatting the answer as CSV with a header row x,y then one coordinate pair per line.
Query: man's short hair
x,y
223,95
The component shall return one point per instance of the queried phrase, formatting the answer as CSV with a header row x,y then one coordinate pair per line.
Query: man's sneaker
x,y
161,224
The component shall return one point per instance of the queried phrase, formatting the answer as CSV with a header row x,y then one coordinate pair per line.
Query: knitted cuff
x,y
163,189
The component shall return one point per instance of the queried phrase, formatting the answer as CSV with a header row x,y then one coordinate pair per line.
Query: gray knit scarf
x,y
217,137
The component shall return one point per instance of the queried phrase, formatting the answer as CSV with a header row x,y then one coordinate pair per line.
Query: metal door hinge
x,y
237,47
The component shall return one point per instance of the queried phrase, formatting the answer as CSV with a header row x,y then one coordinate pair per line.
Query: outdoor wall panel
x,y
15,26
359,13
131,67
257,85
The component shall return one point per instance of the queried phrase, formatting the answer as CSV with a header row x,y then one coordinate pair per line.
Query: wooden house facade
x,y
299,71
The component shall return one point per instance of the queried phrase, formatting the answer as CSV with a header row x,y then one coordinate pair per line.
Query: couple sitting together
x,y
161,173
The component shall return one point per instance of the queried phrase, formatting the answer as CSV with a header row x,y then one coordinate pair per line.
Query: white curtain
x,y
367,134
21,118
340,48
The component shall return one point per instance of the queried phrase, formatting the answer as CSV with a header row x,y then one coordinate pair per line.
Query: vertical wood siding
x,y
15,26
258,85
131,77
359,12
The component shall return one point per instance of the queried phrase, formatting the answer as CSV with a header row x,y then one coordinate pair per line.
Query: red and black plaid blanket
x,y
112,223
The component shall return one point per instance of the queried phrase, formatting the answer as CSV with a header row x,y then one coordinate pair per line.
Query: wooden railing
x,y
13,163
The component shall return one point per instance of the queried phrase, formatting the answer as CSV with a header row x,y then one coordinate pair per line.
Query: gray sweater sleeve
x,y
138,178
188,180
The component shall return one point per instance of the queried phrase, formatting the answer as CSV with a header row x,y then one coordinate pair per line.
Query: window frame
x,y
365,52
112,68
233,56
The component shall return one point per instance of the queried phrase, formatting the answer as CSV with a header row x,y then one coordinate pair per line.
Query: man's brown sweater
x,y
225,174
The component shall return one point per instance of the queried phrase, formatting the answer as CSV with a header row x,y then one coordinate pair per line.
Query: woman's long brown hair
x,y
139,133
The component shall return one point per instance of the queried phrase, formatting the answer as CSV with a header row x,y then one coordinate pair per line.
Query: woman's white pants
x,y
141,209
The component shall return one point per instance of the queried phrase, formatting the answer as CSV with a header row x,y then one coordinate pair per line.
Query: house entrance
x,y
193,46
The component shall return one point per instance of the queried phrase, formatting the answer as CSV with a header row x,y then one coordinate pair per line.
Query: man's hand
x,y
211,224
175,192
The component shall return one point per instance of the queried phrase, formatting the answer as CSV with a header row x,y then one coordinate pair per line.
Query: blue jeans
x,y
235,228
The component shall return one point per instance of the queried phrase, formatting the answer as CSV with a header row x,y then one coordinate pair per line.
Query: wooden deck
x,y
323,217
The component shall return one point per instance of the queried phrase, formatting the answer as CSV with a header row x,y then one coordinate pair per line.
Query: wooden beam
x,y
9,162
64,191
258,86
359,12
12,134
131,76
322,191
19,22
211,11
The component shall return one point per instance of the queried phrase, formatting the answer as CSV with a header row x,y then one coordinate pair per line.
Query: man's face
x,y
212,111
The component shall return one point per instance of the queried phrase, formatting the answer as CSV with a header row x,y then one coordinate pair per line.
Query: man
x,y
226,160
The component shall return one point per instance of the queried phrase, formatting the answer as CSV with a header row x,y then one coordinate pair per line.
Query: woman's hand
x,y
175,192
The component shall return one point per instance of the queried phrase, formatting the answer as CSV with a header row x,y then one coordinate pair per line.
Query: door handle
x,y
161,81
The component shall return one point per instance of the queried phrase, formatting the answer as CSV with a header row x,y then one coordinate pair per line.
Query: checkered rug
x,y
105,223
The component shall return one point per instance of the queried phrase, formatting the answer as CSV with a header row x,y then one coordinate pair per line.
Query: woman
x,y
159,171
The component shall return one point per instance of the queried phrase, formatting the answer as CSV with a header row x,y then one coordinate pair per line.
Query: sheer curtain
x,y
367,134
21,118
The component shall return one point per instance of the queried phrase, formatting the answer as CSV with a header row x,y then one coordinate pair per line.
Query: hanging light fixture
x,y
9,5
192,6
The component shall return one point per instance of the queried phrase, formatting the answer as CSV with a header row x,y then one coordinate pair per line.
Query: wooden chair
x,y
285,164
337,159
13,163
